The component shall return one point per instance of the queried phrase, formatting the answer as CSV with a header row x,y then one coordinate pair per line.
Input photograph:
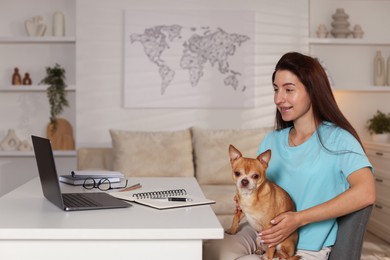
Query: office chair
x,y
350,235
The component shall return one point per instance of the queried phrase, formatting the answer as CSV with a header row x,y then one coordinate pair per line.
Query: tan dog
x,y
260,201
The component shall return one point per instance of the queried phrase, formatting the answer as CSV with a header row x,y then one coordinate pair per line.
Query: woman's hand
x,y
283,226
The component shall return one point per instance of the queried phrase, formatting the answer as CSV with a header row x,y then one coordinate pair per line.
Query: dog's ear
x,y
234,153
264,158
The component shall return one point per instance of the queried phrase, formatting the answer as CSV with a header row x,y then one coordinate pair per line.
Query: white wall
x,y
358,107
281,26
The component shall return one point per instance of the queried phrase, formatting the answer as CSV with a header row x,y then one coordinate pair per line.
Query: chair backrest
x,y
350,235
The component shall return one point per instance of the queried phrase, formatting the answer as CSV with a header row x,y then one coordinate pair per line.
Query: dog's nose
x,y
244,182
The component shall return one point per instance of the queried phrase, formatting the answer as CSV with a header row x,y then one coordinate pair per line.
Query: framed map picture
x,y
189,59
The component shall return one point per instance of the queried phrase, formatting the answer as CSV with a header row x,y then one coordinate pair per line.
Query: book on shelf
x,y
98,174
162,199
79,180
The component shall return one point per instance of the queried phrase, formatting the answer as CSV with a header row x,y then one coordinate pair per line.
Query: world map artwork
x,y
210,47
193,59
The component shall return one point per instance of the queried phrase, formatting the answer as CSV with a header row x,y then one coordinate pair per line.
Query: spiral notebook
x,y
162,199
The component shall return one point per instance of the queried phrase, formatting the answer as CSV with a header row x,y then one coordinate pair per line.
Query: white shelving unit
x,y
25,108
348,41
36,39
31,88
32,54
350,61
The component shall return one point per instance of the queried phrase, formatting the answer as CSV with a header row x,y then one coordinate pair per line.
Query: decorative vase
x,y
61,136
380,138
58,24
388,71
16,78
340,24
27,79
379,69
35,26
11,142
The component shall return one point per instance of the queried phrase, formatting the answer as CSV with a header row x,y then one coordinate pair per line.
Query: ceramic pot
x,y
380,138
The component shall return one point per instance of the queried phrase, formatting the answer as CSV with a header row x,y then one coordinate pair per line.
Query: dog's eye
x,y
255,176
237,174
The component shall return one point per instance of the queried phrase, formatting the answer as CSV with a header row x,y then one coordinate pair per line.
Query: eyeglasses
x,y
103,184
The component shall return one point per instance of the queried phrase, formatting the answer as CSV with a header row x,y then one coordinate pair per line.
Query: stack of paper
x,y
78,177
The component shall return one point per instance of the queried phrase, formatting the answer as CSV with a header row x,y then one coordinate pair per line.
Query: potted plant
x,y
55,78
379,126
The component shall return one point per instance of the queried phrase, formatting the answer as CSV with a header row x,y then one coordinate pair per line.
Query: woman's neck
x,y
300,133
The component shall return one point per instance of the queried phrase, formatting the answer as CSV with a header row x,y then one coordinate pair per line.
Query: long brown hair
x,y
313,76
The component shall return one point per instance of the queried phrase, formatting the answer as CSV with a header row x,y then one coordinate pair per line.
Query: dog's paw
x,y
259,252
230,232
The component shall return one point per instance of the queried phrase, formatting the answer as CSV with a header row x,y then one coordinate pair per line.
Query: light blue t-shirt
x,y
312,174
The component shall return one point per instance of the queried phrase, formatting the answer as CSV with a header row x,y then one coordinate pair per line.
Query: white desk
x,y
33,228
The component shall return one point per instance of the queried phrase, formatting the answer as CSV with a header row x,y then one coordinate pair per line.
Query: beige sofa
x,y
198,152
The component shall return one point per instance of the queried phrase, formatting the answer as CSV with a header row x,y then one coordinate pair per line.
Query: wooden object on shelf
x,y
16,78
27,79
62,137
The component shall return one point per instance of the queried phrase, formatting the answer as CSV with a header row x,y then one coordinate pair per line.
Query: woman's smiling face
x,y
291,97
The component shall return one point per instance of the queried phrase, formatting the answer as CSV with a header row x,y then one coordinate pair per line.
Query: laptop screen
x,y
47,170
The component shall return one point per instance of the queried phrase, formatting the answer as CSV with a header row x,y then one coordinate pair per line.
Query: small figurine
x,y
357,31
322,31
16,78
24,146
27,79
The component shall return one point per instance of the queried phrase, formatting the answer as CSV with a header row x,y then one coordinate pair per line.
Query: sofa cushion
x,y
211,151
152,154
223,195
94,158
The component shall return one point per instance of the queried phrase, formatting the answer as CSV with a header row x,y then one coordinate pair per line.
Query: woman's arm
x,y
360,194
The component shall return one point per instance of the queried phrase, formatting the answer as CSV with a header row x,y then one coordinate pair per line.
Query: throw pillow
x,y
152,154
211,151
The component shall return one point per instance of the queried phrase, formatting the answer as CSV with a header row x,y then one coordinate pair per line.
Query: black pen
x,y
175,199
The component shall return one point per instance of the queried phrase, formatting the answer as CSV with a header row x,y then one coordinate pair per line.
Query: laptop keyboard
x,y
73,200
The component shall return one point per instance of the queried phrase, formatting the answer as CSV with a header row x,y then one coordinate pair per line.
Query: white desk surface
x,y
27,215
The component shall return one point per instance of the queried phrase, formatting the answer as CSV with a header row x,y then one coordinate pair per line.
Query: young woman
x,y
317,157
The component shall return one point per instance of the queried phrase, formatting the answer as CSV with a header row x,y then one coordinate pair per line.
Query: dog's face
x,y
248,173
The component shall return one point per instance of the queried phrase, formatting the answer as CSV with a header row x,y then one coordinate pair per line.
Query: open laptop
x,y
51,186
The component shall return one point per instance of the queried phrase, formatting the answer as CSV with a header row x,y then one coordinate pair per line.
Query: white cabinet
x,y
350,61
379,156
26,108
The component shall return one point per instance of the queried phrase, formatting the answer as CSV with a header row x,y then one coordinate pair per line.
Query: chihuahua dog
x,y
260,200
